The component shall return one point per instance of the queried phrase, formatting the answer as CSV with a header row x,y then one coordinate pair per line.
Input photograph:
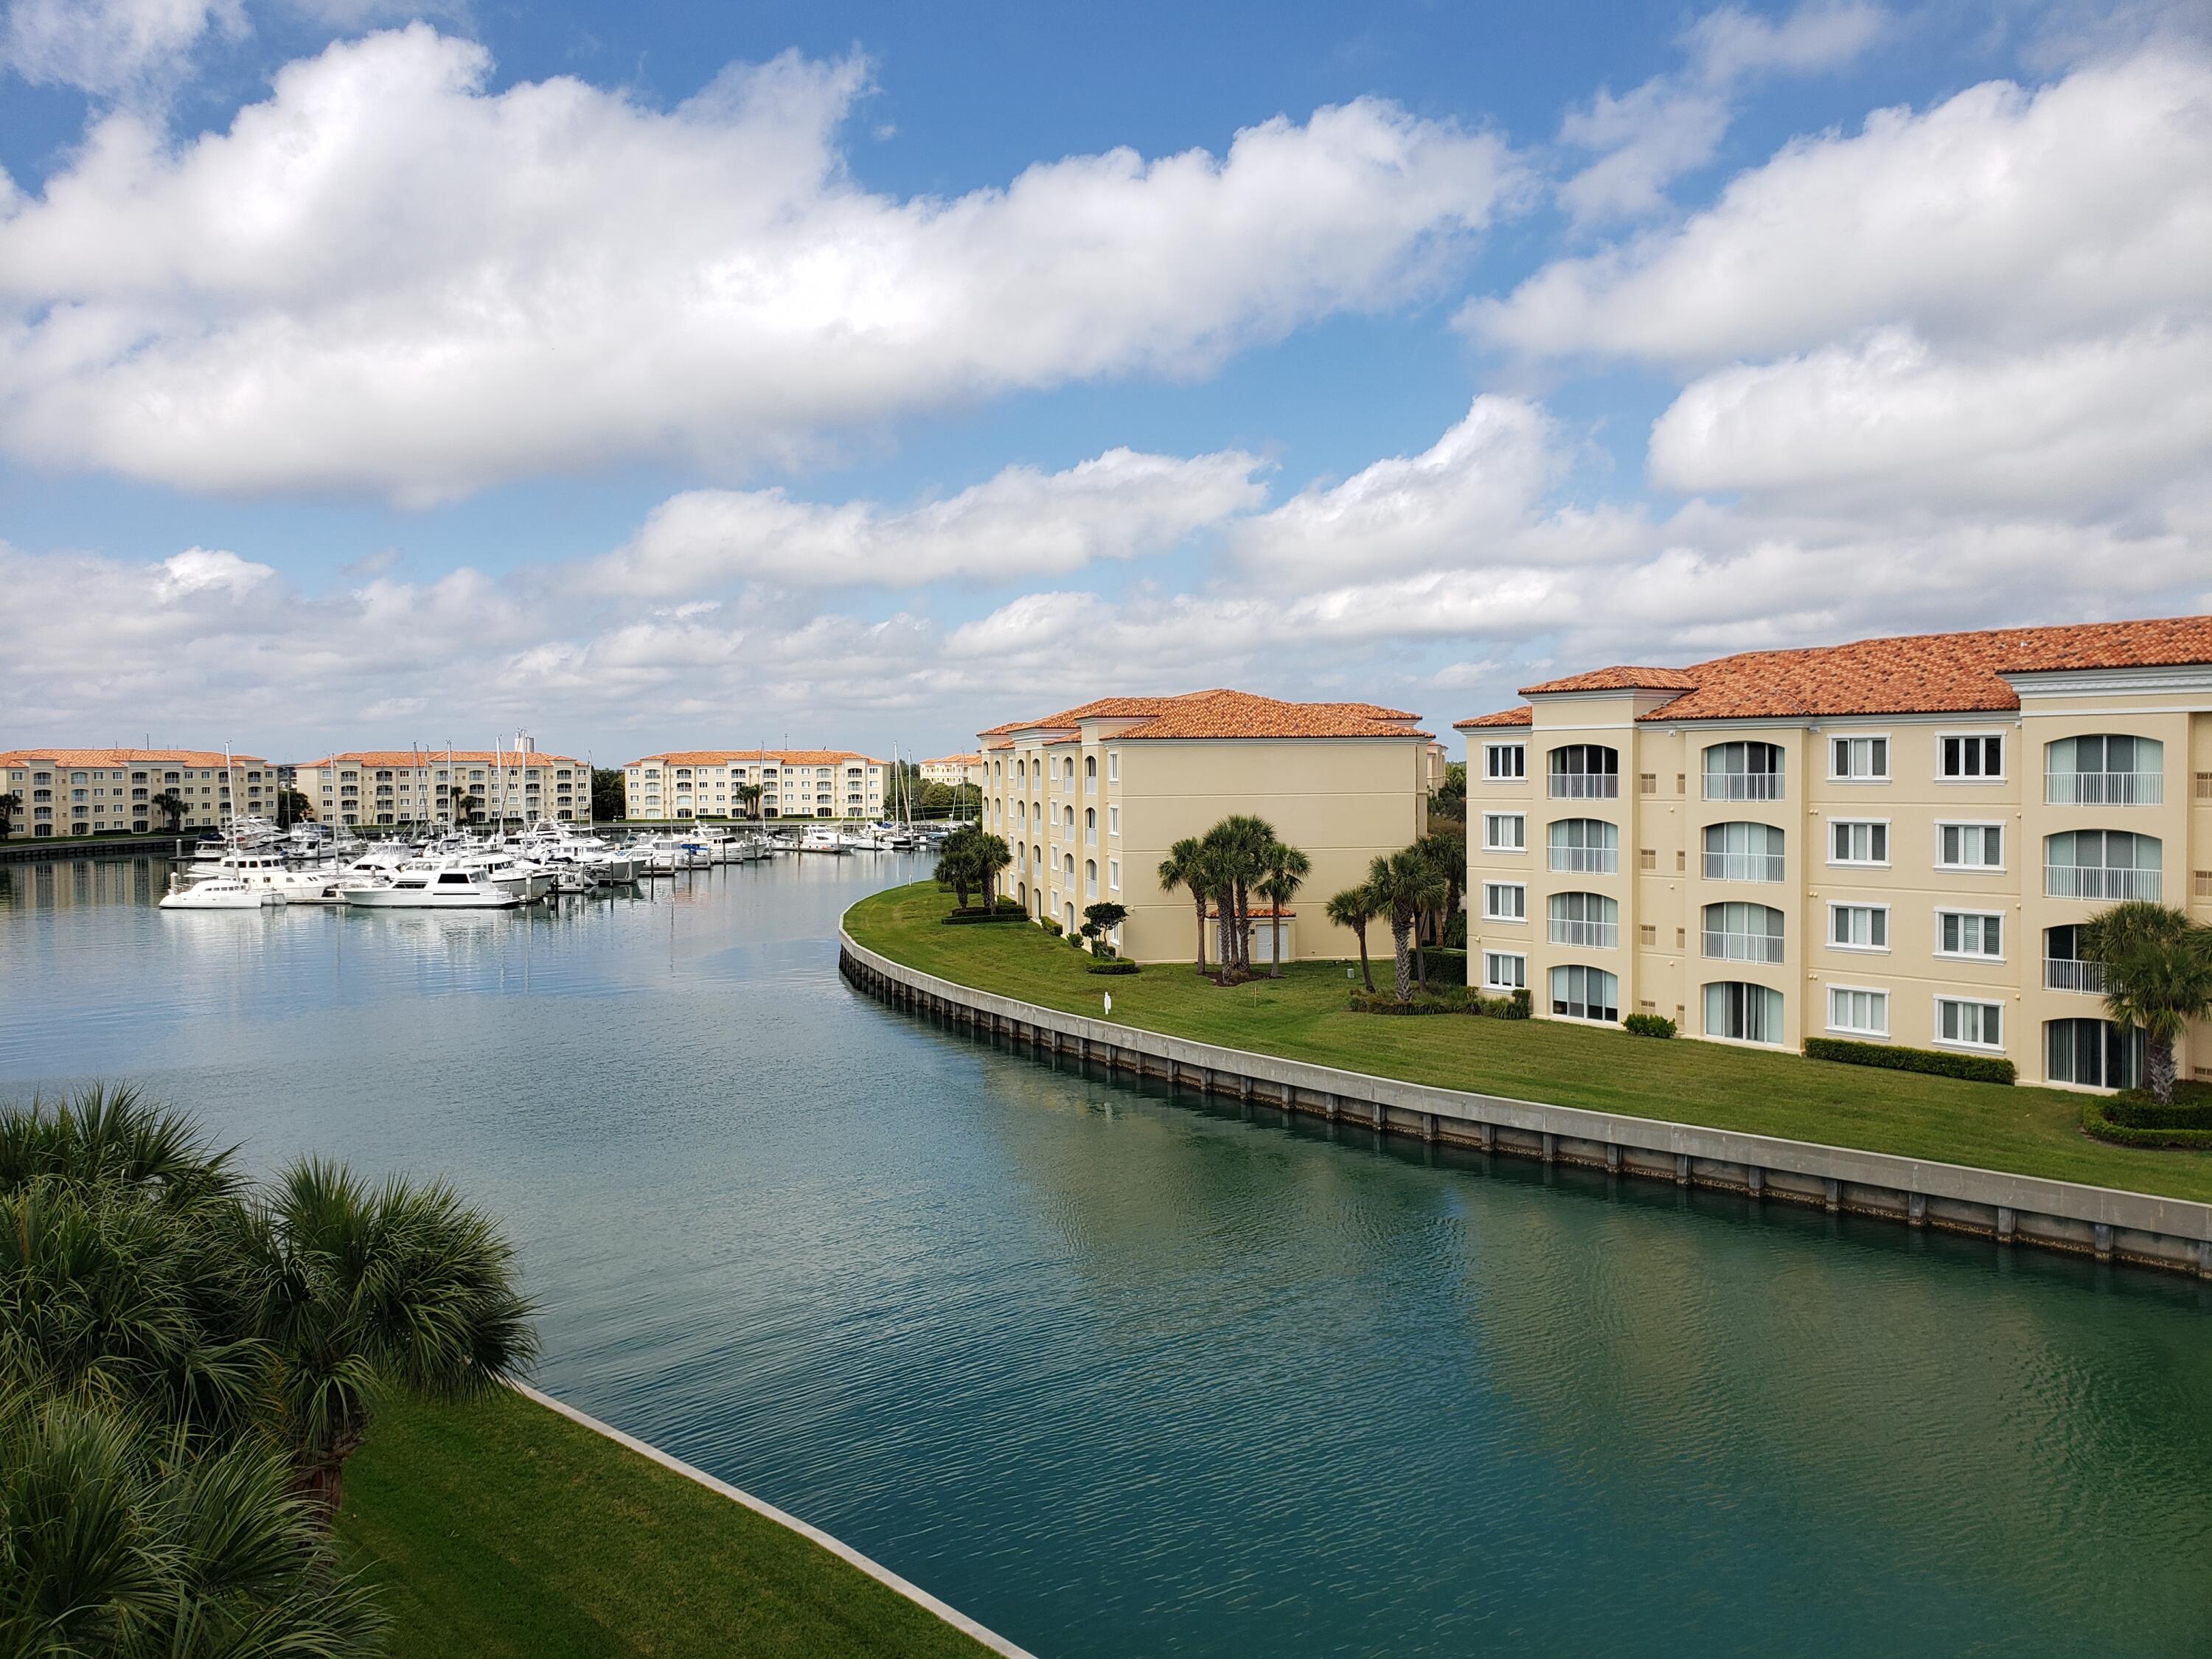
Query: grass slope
x,y
1303,1015
498,1527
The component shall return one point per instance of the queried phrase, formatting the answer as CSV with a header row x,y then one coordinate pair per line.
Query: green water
x,y
1121,1372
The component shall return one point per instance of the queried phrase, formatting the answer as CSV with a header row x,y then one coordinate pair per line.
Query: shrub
x,y
1516,1006
957,918
1052,927
1650,1025
2134,1118
1974,1068
1433,1002
1112,965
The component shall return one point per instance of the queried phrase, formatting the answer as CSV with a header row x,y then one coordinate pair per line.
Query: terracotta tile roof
x,y
781,756
125,757
1912,674
1524,716
1617,679
1223,714
951,760
391,757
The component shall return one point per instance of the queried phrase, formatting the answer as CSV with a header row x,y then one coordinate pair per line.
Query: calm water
x,y
1121,1373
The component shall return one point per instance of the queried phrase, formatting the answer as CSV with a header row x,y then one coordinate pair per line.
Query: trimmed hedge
x,y
1518,1006
1974,1068
1008,910
2133,1119
1052,927
1112,965
1384,1002
1650,1025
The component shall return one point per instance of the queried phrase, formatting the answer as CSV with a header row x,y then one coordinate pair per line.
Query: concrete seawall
x,y
2172,1233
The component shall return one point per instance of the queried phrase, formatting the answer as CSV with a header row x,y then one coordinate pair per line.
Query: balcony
x,y
1585,860
1742,947
2089,881
1586,935
1743,867
2103,789
2062,974
1585,786
1743,785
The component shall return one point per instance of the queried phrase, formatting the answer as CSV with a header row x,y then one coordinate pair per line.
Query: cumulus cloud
x,y
387,277
110,48
1021,524
1671,124
2001,214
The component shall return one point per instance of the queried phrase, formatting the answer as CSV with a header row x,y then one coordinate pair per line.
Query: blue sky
x,y
377,376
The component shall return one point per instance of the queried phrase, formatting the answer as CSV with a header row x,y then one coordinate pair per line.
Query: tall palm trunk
x,y
1274,940
2159,1068
1366,974
1198,898
1401,933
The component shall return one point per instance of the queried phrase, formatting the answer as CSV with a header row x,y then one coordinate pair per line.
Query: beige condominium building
x,y
1090,800
795,783
953,769
415,786
1891,842
83,791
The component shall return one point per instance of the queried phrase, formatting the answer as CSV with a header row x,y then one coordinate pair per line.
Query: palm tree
x,y
1185,867
749,797
171,806
1237,859
2158,978
466,806
1404,885
1447,853
1287,869
10,803
1354,908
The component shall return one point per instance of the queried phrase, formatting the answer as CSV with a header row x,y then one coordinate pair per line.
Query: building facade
x,y
954,769
795,783
1090,801
85,791
1892,842
371,787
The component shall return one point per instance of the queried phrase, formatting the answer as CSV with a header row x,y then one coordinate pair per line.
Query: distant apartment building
x,y
954,769
793,783
370,787
85,792
1892,841
1090,800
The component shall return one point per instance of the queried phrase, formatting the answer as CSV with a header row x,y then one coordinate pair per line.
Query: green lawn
x,y
500,1527
1303,1015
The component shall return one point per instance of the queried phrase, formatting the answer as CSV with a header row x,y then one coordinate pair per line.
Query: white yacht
x,y
221,893
265,866
822,840
523,879
434,886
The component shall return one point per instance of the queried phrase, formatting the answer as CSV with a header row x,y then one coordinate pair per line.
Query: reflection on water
x,y
1124,1372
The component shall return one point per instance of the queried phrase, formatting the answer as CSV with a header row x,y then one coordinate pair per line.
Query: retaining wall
x,y
2103,1221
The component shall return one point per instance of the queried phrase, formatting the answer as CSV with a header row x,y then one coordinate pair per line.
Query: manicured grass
x,y
1303,1015
499,1528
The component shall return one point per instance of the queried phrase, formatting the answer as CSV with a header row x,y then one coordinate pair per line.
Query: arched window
x,y
1586,846
1021,771
1588,920
1580,992
2104,769
1743,771
1090,877
2094,1053
1743,933
1584,771
1071,822
1749,1013
1091,767
1743,852
1090,826
2101,864
1068,859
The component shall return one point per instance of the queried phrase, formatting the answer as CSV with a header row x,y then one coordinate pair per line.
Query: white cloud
x,y
387,277
1022,524
2085,427
2001,214
198,569
1673,124
110,48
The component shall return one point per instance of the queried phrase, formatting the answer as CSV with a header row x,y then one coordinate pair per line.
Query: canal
x,y
1121,1372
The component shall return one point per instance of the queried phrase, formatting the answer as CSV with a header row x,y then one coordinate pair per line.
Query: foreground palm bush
x,y
187,1359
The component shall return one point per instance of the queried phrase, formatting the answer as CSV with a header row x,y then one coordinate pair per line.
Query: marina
x,y
1116,1365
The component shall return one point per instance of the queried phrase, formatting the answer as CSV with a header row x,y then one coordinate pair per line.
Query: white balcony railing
x,y
1589,935
1743,867
2061,975
1585,786
2104,789
1743,785
2090,881
1742,947
1587,860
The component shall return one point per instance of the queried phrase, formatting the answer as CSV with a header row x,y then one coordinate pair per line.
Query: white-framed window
x,y
1970,847
1745,1014
1859,760
1859,841
1858,927
1580,992
1858,1013
1114,875
1113,820
1977,758
1505,970
1961,1023
1976,934
1505,761
1506,832
1505,901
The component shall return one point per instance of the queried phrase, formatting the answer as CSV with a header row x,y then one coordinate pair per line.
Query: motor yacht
x,y
822,840
424,885
265,866
221,893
